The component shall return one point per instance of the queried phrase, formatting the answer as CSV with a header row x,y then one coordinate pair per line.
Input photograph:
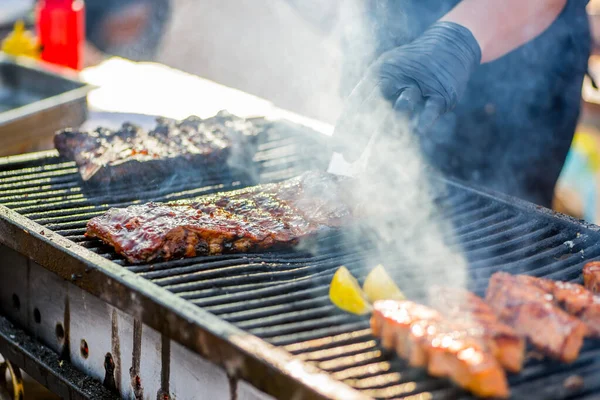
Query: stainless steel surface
x,y
36,101
146,363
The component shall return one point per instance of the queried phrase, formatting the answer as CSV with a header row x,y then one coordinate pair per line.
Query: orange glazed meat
x,y
532,312
426,339
392,322
258,217
462,305
591,276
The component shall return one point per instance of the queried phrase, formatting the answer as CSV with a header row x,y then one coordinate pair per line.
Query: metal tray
x,y
35,102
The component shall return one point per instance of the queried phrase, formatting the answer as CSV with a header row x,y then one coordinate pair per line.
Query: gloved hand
x,y
420,80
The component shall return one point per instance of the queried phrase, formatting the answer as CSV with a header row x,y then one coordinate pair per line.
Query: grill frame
x,y
190,325
209,336
56,375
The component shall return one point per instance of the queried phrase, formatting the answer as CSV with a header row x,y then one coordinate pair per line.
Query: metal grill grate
x,y
282,296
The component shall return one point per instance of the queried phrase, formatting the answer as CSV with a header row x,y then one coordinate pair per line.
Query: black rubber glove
x,y
420,80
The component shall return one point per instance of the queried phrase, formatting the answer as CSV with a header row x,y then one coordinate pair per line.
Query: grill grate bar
x,y
486,221
193,291
62,204
296,308
378,381
410,388
501,232
494,228
378,368
39,191
343,327
34,175
259,304
324,309
328,342
339,351
308,327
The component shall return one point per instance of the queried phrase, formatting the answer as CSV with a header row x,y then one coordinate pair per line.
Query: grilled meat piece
x,y
448,349
591,276
532,312
392,321
253,218
188,148
468,308
573,298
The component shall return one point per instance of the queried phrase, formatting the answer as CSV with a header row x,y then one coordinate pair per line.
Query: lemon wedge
x,y
380,286
345,292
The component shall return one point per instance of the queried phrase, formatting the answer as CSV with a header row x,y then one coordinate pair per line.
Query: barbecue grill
x,y
212,327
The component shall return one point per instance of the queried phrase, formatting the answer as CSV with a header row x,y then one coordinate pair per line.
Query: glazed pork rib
x,y
425,338
258,217
130,153
573,298
532,312
463,306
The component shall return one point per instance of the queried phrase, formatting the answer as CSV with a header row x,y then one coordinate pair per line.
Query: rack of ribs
x,y
462,305
532,312
254,218
446,348
190,146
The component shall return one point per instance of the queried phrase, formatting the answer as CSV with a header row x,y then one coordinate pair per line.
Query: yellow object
x,y
586,144
345,292
20,42
380,286
18,389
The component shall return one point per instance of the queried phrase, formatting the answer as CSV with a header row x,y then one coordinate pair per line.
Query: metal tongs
x,y
339,166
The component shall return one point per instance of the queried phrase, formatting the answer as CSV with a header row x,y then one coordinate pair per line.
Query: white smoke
x,y
399,194
262,50
394,186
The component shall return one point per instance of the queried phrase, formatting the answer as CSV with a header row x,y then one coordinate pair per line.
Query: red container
x,y
61,31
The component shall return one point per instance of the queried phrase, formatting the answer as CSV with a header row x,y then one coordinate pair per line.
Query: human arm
x,y
500,26
426,78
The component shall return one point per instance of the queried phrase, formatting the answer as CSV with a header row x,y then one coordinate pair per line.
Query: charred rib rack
x,y
191,146
258,217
